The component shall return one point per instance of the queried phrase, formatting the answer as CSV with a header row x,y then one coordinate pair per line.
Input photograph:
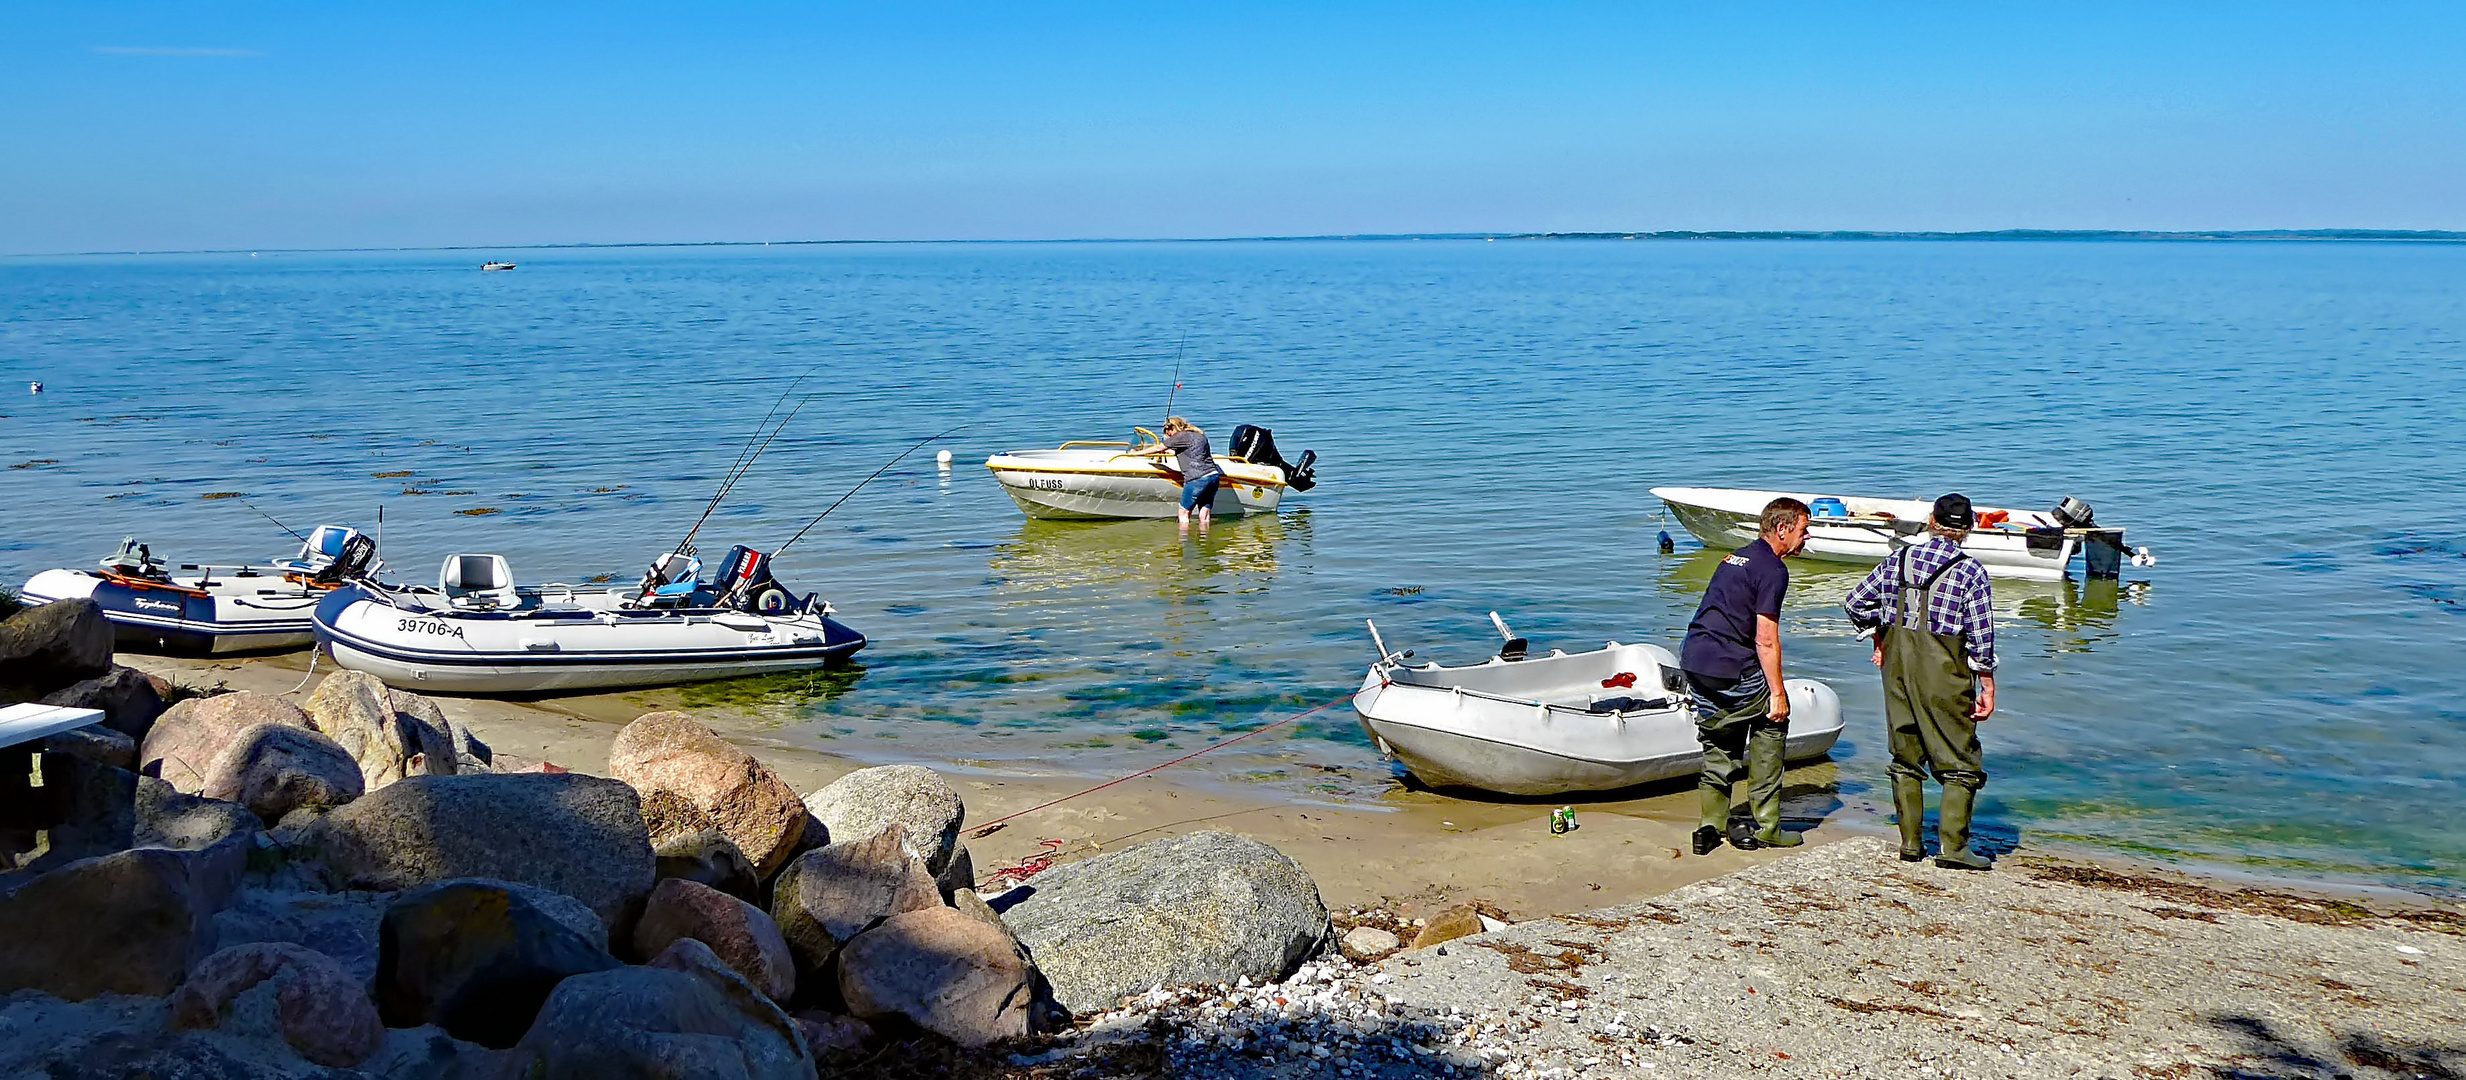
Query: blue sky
x,y
238,125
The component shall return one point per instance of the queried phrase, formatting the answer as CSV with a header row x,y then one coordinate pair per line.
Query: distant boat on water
x,y
496,266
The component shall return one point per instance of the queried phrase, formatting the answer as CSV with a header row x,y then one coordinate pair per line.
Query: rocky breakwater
x,y
351,888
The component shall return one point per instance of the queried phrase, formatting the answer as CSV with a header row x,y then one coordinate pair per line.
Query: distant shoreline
x,y
2382,236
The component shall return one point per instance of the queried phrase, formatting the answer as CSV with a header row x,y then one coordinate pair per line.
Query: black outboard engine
x,y
2073,513
1257,445
357,555
744,582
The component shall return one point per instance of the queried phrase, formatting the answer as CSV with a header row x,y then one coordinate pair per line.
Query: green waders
x,y
1738,739
1929,691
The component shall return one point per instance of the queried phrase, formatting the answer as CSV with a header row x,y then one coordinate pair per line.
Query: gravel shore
x,y
1843,961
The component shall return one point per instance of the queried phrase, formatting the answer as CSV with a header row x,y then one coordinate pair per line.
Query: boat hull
x,y
1450,738
251,609
1095,485
454,652
1725,519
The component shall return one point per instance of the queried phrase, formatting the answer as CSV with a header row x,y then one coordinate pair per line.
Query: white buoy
x,y
942,459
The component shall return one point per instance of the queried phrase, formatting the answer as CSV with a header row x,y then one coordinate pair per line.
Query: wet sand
x,y
1411,852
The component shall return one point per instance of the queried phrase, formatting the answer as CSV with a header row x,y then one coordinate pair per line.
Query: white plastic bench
x,y
26,723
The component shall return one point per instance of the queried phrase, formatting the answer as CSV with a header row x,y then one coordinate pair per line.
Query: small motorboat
x,y
213,609
1516,724
2009,543
477,632
496,266
1107,480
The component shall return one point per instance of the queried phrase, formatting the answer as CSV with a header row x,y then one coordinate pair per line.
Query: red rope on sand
x,y
988,828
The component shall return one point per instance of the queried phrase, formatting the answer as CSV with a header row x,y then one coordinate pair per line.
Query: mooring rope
x,y
988,828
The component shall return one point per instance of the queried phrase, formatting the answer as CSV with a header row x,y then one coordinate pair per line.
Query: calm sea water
x,y
2279,421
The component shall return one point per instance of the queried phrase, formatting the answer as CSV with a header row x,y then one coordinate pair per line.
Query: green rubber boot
x,y
1712,808
1952,832
1768,831
1909,809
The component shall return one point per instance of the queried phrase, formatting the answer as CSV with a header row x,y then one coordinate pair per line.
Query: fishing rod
x,y
860,486
1177,374
295,533
755,444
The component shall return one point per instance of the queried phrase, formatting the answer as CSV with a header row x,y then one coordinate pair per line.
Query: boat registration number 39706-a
x,y
427,626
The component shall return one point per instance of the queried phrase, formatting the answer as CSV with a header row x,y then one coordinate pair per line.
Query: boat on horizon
x,y
2009,543
213,609
476,632
496,266
1096,481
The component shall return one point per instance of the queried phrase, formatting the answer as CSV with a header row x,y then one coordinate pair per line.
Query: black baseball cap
x,y
1952,512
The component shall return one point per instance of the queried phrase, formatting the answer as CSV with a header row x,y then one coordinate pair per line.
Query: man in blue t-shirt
x,y
1732,660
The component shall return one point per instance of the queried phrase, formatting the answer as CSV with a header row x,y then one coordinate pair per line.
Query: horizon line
x,y
1932,235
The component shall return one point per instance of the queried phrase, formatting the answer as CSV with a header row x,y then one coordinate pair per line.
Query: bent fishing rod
x,y
751,451
860,486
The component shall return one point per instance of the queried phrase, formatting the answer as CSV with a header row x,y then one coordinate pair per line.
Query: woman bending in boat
x,y
1200,476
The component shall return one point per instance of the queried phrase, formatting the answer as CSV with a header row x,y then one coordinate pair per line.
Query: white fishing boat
x,y
213,609
1516,724
1107,480
2008,542
476,632
496,266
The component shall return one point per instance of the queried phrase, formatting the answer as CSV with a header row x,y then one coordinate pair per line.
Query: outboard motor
x,y
133,560
1257,445
358,556
744,582
2073,513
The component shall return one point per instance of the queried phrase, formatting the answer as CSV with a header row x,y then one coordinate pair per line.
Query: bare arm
x,y
1768,656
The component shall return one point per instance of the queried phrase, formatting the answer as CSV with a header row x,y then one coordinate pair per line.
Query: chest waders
x,y
1929,691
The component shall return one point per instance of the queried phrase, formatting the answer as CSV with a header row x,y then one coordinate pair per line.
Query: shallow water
x,y
2276,420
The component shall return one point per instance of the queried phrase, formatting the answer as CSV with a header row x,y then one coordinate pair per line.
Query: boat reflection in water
x,y
1068,558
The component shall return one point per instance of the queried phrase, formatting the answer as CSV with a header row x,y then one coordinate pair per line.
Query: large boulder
x,y
832,893
49,646
128,697
946,971
470,754
98,743
1207,907
737,932
115,1036
352,708
475,959
273,769
685,1015
864,802
169,818
672,753
130,922
340,926
95,809
706,857
185,741
568,833
318,1007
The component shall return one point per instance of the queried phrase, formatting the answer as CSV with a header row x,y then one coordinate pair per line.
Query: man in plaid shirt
x,y
1932,613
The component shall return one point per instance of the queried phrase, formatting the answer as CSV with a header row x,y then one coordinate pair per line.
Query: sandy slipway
x,y
1846,962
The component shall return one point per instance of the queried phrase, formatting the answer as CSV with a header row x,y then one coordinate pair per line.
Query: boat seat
x,y
477,581
322,547
673,579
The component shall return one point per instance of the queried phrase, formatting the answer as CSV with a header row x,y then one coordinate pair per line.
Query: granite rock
x,y
864,802
1206,907
565,832
673,753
